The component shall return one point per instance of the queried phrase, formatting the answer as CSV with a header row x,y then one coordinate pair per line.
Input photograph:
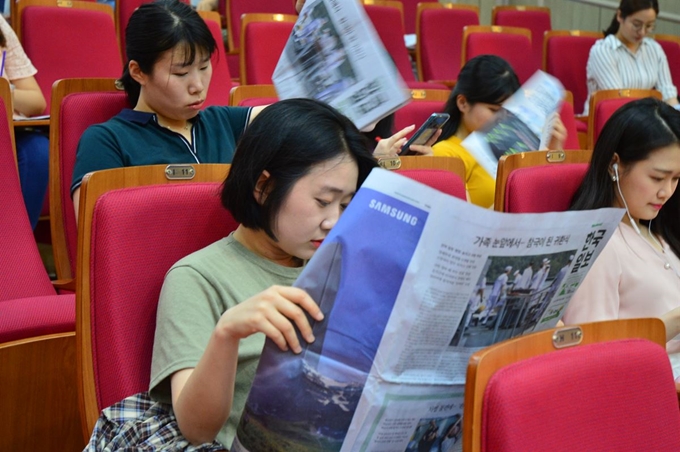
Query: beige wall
x,y
570,15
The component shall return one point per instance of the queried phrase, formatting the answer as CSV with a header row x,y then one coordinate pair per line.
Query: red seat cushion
x,y
37,316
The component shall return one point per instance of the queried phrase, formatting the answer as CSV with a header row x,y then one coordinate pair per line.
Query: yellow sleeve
x,y
480,185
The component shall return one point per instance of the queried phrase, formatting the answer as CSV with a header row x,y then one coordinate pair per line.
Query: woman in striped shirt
x,y
626,58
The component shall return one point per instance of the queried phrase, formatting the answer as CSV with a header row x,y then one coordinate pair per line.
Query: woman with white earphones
x,y
635,166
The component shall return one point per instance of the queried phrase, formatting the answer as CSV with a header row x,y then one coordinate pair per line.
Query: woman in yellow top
x,y
482,86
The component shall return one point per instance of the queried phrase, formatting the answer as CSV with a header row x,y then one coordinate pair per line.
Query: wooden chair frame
x,y
242,92
666,37
410,162
6,94
508,163
94,185
485,362
470,29
423,94
19,6
38,390
249,18
599,96
60,90
498,8
431,5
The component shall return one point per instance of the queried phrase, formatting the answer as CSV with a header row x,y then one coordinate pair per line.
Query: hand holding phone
x,y
435,122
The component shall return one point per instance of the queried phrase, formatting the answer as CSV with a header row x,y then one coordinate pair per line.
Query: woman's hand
x,y
558,135
273,312
392,146
298,5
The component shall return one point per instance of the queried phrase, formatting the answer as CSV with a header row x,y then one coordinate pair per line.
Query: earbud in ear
x,y
615,167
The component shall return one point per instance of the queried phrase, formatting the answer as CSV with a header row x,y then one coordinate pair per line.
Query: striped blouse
x,y
612,65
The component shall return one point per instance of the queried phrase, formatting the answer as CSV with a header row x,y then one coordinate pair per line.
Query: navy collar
x,y
143,117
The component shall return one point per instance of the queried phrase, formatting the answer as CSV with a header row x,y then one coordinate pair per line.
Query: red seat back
x,y
570,71
389,24
258,61
596,406
23,273
538,21
442,180
79,111
604,109
545,188
410,14
416,112
60,49
567,117
235,9
220,84
135,240
515,49
440,40
672,51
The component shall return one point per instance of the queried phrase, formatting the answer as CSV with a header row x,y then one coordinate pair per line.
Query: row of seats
x,y
113,246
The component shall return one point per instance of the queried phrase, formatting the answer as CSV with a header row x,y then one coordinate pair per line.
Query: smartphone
x,y
435,122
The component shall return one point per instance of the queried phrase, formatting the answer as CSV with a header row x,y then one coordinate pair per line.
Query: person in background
x,y
483,84
166,79
32,145
627,58
635,166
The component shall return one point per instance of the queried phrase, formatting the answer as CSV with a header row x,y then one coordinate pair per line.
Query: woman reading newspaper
x,y
635,166
287,190
483,84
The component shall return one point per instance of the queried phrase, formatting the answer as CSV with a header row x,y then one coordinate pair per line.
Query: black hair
x,y
628,7
287,139
157,27
633,132
485,78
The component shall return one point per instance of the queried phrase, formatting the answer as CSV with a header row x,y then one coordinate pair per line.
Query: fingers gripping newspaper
x,y
412,282
335,55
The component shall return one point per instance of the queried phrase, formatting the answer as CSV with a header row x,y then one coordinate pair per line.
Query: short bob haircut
x,y
287,139
628,7
153,29
487,79
633,132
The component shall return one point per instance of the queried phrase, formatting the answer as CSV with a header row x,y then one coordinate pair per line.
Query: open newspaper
x,y
412,282
524,122
335,55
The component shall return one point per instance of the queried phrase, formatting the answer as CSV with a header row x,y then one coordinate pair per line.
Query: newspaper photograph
x,y
335,55
412,282
523,123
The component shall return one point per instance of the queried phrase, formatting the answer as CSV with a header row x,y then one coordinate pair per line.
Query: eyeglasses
x,y
638,26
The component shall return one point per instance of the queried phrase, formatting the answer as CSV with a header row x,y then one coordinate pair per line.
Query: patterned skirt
x,y
137,424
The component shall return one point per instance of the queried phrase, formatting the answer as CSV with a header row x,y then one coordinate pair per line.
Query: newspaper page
x,y
524,122
412,282
335,55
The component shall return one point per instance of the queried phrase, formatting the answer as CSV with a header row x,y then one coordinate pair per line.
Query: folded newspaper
x,y
335,55
524,123
412,282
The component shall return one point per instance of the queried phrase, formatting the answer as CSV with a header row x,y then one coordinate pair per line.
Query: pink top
x,y
17,64
628,280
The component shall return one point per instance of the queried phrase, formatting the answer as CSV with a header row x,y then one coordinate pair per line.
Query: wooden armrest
x,y
31,122
581,118
64,284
